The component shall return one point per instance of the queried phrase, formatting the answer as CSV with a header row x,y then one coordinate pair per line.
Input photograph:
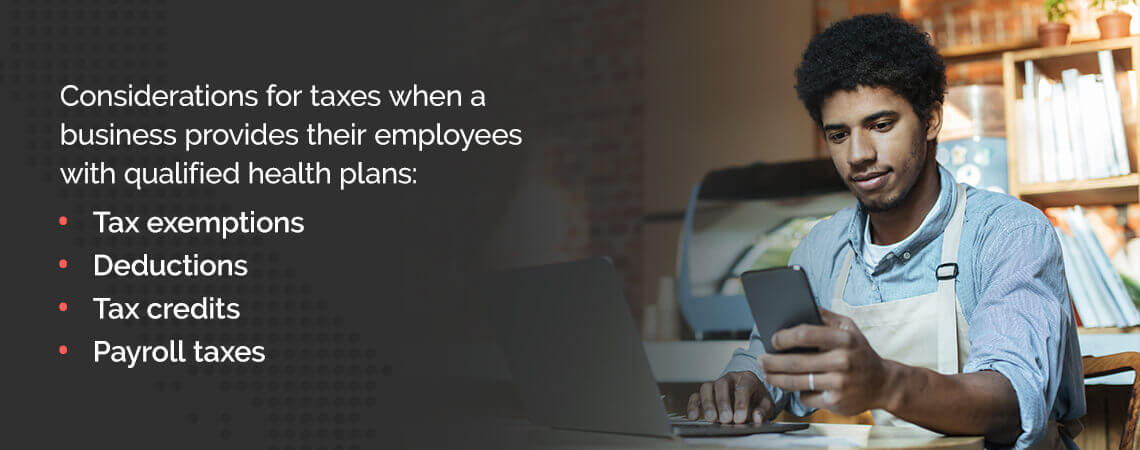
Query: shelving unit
x,y
1101,191
1100,428
1051,61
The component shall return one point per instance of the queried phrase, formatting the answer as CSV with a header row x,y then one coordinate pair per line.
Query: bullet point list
x,y
62,265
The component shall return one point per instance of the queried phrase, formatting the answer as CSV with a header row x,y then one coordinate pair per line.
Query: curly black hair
x,y
874,50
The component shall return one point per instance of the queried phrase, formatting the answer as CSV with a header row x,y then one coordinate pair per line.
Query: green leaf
x,y
1132,287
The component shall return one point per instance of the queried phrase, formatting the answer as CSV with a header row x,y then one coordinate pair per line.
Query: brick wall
x,y
585,132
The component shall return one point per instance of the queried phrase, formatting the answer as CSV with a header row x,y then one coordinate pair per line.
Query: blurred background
x,y
707,165
695,89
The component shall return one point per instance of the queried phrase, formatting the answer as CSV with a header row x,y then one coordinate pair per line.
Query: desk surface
x,y
700,361
817,435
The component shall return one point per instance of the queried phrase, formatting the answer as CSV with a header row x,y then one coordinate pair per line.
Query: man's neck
x,y
890,227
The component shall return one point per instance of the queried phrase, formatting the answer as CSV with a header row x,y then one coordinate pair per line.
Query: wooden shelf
x,y
973,52
1082,56
1109,330
1078,49
1101,191
964,53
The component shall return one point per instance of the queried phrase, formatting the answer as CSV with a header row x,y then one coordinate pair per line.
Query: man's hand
x,y
847,375
737,397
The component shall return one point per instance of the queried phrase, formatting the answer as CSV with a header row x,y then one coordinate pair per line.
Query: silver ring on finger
x,y
811,381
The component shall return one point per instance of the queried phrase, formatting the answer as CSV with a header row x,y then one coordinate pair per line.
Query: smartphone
x,y
780,298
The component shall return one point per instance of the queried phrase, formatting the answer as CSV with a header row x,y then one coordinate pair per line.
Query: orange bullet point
x,y
63,349
63,220
62,306
63,264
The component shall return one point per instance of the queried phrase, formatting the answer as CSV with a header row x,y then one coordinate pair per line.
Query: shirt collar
x,y
925,233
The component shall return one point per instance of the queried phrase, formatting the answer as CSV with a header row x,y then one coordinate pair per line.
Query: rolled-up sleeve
x,y
745,359
1017,328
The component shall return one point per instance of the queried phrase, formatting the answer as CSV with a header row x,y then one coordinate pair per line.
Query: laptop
x,y
576,358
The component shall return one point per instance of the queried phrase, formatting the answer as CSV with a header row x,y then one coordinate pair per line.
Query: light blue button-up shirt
x,y
1011,287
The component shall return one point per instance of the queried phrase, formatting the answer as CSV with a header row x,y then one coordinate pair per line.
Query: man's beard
x,y
888,204
915,163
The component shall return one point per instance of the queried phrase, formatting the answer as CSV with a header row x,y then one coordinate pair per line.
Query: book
x,y
1094,290
1115,115
1118,302
1098,139
1061,133
1030,148
1047,138
1026,148
1117,229
1098,269
1075,278
1076,129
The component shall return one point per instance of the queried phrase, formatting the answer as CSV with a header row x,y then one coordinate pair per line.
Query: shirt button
x,y
874,287
906,255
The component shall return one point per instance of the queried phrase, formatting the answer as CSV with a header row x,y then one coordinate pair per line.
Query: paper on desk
x,y
777,441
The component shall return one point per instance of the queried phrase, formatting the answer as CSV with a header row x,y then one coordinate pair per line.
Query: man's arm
x,y
980,403
1021,324
848,377
1018,331
740,394
1017,335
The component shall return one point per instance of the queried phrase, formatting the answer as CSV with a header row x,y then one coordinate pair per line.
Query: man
x,y
944,306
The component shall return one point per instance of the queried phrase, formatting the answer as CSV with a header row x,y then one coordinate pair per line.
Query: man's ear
x,y
934,124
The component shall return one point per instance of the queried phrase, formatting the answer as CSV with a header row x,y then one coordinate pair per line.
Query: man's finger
x,y
706,405
829,318
821,337
742,397
764,406
804,363
695,406
809,382
722,389
813,400
837,320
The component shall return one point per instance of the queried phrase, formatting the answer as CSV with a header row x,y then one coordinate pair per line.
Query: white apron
x,y
924,331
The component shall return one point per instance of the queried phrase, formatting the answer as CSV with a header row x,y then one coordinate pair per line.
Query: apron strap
x,y
841,282
947,273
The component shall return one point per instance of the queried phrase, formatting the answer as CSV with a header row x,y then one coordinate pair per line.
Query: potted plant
x,y
1055,31
1115,23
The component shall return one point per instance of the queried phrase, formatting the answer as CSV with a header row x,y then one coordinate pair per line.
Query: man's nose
x,y
862,149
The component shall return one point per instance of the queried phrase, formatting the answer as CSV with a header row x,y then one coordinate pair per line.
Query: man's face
x,y
878,144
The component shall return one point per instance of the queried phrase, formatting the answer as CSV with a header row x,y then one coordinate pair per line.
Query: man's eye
x,y
837,136
880,126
